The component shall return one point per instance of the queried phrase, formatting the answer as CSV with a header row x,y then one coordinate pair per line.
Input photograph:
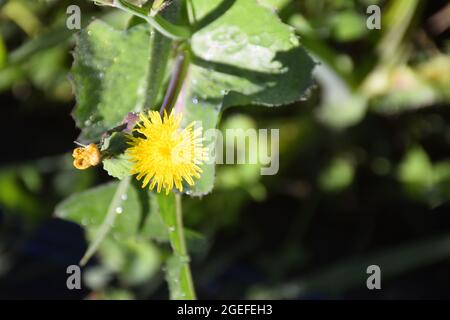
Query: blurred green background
x,y
364,166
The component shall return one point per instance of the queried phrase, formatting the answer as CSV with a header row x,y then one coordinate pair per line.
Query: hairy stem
x,y
178,273
176,81
156,21
186,276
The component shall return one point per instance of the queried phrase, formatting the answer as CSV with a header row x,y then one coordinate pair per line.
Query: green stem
x,y
181,250
178,275
176,81
399,19
157,21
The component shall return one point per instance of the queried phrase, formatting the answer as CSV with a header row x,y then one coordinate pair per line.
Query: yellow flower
x,y
85,157
164,154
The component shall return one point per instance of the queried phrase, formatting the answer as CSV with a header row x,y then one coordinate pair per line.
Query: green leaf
x,y
416,169
116,162
89,209
167,208
132,261
406,91
3,53
154,225
348,26
207,114
239,62
118,166
337,176
108,211
114,73
250,62
422,179
142,261
340,107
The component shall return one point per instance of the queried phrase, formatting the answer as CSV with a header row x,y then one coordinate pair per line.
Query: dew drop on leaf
x,y
184,259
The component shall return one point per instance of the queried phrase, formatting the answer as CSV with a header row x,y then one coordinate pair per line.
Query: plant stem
x,y
186,276
157,21
176,81
178,272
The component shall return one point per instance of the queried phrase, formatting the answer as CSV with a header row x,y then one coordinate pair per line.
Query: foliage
x,y
361,144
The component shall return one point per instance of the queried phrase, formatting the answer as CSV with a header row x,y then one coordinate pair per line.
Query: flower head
x,y
164,154
85,157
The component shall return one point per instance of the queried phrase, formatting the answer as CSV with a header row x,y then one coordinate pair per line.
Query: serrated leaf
x,y
137,217
240,62
115,72
89,208
257,62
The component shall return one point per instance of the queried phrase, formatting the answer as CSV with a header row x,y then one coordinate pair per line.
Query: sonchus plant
x,y
144,95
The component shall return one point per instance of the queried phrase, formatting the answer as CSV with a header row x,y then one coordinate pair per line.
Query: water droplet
x,y
255,40
171,229
85,221
119,210
237,36
101,75
293,40
87,123
184,259
124,197
89,33
195,101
